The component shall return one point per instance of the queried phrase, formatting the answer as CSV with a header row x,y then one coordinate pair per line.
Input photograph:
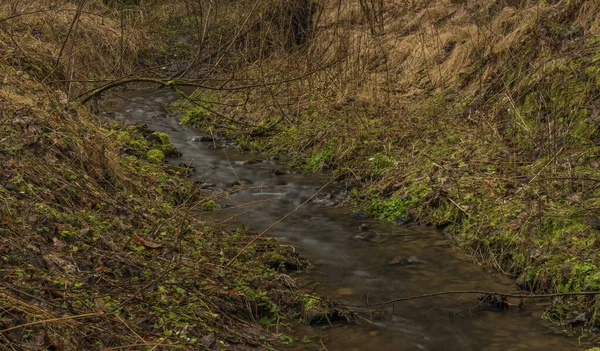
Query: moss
x,y
155,156
162,141
138,144
124,137
210,205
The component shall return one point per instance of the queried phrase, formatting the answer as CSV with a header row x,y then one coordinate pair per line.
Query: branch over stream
x,y
478,292
87,96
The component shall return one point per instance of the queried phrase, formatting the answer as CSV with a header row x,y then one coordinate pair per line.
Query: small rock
x,y
371,237
205,139
277,172
360,214
367,236
400,220
363,227
403,261
251,162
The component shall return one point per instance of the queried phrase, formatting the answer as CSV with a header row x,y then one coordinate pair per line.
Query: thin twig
x,y
53,320
75,20
481,292
193,83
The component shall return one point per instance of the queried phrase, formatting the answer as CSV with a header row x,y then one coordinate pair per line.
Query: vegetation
x,y
100,245
478,117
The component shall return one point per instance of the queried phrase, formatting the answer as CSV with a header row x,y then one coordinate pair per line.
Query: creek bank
x,y
489,131
542,235
98,238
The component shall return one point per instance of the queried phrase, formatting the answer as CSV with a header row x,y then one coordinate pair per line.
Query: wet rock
x,y
360,214
251,162
363,227
276,172
404,261
328,199
272,158
370,236
202,139
400,220
581,319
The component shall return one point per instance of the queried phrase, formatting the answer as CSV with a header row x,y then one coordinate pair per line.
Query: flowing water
x,y
354,264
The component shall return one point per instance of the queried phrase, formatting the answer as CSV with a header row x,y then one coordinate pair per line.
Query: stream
x,y
355,259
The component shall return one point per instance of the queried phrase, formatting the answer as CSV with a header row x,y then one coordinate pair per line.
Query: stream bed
x,y
356,260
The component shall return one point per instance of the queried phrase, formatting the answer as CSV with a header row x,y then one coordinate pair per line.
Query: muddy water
x,y
353,265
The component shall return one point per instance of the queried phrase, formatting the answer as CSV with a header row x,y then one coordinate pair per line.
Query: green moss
x,y
210,205
155,156
392,209
164,138
162,141
320,159
139,144
124,137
